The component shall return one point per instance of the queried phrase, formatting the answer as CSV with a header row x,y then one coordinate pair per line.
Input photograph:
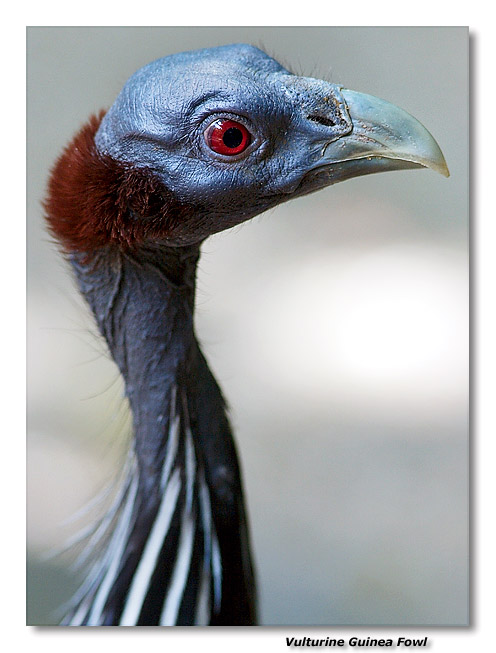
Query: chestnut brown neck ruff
x,y
94,200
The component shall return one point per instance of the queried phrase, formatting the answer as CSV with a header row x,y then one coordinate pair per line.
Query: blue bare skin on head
x,y
305,133
159,120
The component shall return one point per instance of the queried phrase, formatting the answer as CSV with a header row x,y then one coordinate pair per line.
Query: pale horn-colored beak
x,y
383,137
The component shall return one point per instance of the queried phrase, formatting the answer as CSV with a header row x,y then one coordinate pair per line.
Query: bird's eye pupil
x,y
233,137
227,137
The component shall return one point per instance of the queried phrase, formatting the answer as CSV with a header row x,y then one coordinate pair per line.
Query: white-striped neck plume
x,y
175,542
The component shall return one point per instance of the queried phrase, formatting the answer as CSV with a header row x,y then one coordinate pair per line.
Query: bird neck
x,y
143,302
182,556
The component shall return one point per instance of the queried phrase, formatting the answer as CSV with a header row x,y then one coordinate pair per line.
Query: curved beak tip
x,y
429,154
442,168
391,132
433,160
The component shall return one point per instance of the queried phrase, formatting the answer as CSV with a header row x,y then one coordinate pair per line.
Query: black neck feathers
x,y
178,553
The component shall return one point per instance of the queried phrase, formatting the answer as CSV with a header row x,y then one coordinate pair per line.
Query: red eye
x,y
227,137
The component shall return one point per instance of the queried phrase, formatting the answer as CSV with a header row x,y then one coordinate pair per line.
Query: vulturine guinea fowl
x,y
194,144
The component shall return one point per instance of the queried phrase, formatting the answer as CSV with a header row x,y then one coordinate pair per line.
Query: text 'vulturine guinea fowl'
x,y
195,143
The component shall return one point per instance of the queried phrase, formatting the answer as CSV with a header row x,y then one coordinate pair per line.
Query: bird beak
x,y
383,137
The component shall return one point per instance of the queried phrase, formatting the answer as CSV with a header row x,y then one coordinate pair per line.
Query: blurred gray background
x,y
337,326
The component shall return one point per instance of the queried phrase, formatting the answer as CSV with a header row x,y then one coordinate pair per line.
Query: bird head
x,y
228,133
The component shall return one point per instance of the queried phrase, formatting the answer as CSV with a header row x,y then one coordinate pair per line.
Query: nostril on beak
x,y
322,120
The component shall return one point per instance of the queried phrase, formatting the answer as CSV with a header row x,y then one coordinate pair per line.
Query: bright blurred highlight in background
x,y
401,319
